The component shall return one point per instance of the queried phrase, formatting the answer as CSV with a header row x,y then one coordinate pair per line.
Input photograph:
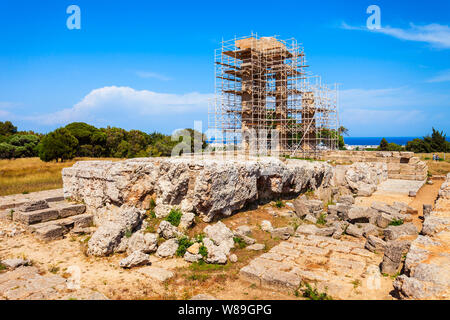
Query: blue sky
x,y
149,65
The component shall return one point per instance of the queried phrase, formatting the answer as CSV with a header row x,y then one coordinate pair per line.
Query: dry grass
x,y
31,174
436,167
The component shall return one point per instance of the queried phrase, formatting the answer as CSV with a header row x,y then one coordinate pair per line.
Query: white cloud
x,y
152,75
381,117
103,104
442,77
389,98
4,114
435,34
7,104
390,111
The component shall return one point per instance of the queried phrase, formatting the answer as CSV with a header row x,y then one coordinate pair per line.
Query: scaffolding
x,y
267,103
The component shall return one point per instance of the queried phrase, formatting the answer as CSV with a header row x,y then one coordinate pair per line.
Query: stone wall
x,y
400,165
206,187
210,188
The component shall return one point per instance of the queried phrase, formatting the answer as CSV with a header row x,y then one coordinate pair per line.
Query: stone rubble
x,y
427,264
29,283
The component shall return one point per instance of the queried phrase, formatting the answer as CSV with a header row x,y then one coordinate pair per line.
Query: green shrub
x,y
239,242
396,222
203,251
183,244
199,277
128,233
174,217
279,204
152,203
203,266
199,238
314,294
321,220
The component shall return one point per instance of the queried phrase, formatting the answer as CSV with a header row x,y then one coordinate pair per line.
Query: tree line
x,y
79,139
437,142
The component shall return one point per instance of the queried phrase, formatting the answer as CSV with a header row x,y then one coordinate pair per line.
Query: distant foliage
x,y
436,143
58,145
14,144
7,128
385,146
79,139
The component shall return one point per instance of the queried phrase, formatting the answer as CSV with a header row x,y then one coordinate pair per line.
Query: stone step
x,y
36,216
50,232
56,229
57,211
78,221
17,200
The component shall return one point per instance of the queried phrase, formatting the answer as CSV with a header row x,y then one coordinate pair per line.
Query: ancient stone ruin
x,y
210,188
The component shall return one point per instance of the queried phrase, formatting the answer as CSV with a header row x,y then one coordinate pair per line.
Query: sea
x,y
375,141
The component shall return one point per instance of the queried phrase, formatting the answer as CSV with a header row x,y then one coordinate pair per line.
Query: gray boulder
x,y
266,226
360,214
168,248
300,208
395,232
216,253
383,207
136,259
342,210
375,244
384,219
122,246
326,232
187,220
306,229
310,218
348,200
393,254
332,210
220,234
15,263
353,230
243,231
105,240
109,235
168,231
144,242
256,247
283,233
190,257
433,224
